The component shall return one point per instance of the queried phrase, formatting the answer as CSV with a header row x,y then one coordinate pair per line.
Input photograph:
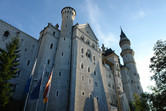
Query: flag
x,y
26,90
47,89
36,90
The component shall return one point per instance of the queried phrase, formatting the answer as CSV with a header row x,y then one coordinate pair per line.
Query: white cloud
x,y
140,14
143,63
95,16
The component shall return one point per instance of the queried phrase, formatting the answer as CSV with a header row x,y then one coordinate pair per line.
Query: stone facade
x,y
85,78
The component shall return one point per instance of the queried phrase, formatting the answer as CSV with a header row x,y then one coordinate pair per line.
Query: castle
x,y
84,77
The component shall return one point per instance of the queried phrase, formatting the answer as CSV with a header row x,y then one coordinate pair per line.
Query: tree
x,y
8,69
140,103
158,66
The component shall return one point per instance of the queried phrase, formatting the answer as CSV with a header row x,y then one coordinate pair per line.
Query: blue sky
x,y
143,22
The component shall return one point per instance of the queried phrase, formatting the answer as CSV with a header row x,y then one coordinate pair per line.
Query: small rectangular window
x,y
51,46
57,93
82,78
28,62
59,73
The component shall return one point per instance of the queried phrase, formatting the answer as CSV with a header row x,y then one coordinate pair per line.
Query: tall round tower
x,y
59,94
129,62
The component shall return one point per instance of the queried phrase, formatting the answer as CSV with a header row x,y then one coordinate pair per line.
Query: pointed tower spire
x,y
123,38
122,35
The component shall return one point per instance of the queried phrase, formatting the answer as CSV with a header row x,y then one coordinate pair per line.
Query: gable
x,y
86,29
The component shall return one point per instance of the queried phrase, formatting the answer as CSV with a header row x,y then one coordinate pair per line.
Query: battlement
x,y
68,10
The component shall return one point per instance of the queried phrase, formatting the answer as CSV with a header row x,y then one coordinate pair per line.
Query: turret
x,y
129,62
60,88
68,16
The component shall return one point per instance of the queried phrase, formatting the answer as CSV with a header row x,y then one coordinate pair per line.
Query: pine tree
x,y
9,60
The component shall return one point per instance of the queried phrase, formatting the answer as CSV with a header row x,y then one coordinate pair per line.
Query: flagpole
x,y
40,88
32,73
49,93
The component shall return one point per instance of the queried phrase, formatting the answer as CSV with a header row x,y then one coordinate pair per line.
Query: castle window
x,y
82,50
53,33
109,76
82,93
82,66
59,73
62,53
28,62
87,31
57,93
64,38
131,81
88,54
82,37
93,58
90,95
97,98
95,73
137,87
66,25
109,85
22,40
25,50
88,69
51,45
88,42
6,34
82,78
48,62
67,16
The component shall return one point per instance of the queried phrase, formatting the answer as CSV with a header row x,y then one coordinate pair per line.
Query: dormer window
x,y
6,34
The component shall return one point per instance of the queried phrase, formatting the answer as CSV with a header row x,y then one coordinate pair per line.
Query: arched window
x,y
6,34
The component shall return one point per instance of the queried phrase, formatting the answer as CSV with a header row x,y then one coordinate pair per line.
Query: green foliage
x,y
8,69
139,103
158,64
157,99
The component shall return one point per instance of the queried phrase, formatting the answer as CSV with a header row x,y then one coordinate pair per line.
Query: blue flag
x,y
36,90
26,90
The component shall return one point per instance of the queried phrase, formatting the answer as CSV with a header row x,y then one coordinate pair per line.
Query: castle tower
x,y
58,99
129,62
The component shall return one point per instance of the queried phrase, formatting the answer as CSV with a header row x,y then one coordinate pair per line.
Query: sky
x,y
143,22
